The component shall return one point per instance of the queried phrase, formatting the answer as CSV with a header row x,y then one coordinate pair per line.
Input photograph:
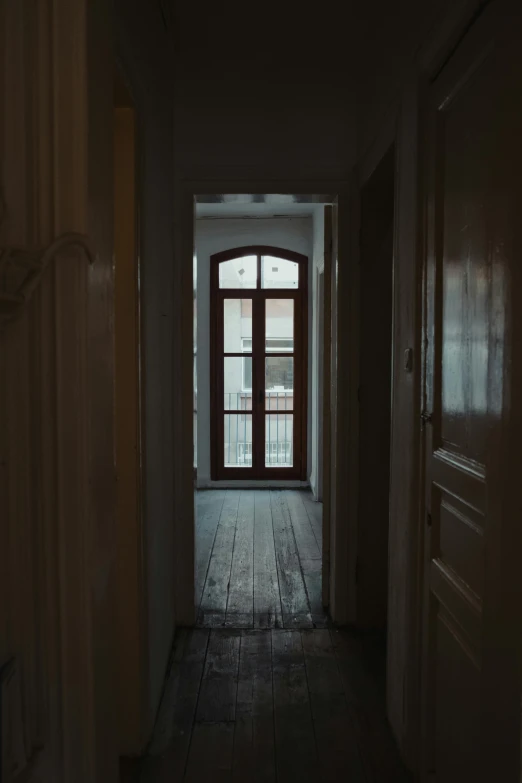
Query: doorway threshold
x,y
252,484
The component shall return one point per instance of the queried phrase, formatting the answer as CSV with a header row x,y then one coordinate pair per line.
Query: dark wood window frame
x,y
300,354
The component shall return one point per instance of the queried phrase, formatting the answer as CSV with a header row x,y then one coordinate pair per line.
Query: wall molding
x,y
21,270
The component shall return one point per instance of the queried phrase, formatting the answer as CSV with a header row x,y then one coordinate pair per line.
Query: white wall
x,y
214,236
317,263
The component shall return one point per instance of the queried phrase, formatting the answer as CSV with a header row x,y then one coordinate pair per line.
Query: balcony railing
x,y
278,429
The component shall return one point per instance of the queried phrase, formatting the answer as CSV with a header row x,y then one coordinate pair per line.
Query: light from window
x,y
275,453
279,273
273,345
238,273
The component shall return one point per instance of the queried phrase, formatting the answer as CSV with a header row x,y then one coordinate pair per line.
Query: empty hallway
x,y
247,258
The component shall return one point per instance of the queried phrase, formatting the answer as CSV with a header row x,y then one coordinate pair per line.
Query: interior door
x,y
474,178
259,400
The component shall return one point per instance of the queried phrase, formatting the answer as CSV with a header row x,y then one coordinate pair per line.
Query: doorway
x,y
258,531
259,363
227,219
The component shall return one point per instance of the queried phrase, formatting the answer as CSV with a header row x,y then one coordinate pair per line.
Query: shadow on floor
x,y
273,705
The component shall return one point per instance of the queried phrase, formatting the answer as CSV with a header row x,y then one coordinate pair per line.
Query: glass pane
x,y
279,273
238,383
237,325
238,440
279,373
238,273
279,345
279,441
279,325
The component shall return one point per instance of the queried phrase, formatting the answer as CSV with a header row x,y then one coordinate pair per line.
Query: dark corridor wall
x,y
376,249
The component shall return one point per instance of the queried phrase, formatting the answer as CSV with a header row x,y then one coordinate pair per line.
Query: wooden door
x,y
258,363
474,208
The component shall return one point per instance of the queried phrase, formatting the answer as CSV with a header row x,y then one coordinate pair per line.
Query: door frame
x,y
320,341
342,561
399,129
300,355
130,528
326,403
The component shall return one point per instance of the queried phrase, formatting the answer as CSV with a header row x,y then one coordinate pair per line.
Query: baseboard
x,y
245,484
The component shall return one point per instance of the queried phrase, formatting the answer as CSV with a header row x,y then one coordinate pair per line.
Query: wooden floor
x,y
273,705
263,690
258,559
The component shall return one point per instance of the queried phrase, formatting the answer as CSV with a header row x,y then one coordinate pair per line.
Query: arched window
x,y
258,363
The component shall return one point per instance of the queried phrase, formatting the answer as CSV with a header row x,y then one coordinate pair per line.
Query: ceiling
x,y
258,205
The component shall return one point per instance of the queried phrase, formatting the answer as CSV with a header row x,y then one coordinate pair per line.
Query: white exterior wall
x,y
213,236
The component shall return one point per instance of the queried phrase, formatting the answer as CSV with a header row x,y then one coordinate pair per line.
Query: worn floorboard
x,y
217,698
263,690
240,606
306,541
254,747
258,562
296,752
267,599
211,750
333,722
169,747
294,596
213,606
272,705
208,511
315,515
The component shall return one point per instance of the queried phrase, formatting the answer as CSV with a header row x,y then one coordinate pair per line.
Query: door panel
x,y
258,362
474,126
